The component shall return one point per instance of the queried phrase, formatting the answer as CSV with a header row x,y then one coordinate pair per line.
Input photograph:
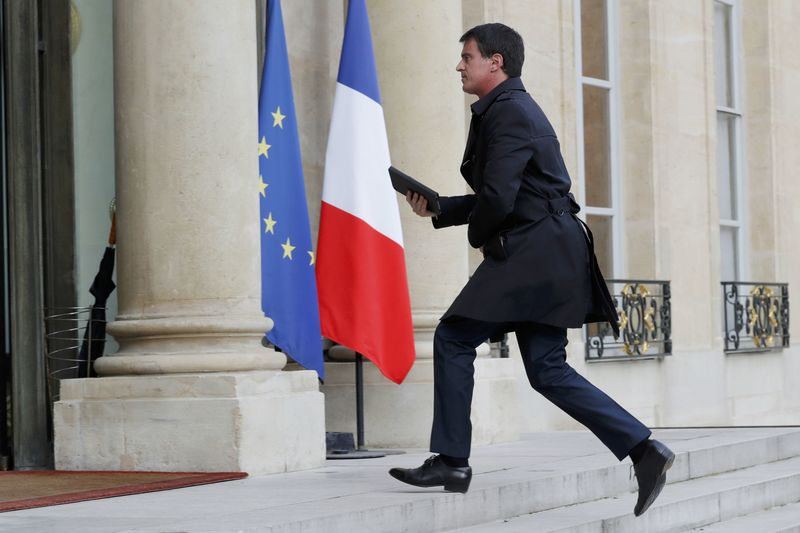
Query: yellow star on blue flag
x,y
288,287
277,118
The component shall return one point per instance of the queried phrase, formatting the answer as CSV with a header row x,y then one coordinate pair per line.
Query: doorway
x,y
5,341
37,214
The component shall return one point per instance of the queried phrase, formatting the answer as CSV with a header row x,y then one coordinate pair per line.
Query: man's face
x,y
476,71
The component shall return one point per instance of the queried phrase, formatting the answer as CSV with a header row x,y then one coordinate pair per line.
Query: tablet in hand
x,y
403,183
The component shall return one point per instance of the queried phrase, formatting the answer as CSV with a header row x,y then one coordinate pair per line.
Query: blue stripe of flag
x,y
357,64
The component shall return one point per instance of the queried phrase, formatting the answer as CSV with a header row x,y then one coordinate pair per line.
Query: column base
x,y
400,416
191,423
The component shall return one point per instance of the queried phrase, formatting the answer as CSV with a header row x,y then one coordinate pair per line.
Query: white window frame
x,y
612,85
737,164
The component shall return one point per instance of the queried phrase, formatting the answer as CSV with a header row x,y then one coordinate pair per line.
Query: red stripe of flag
x,y
363,292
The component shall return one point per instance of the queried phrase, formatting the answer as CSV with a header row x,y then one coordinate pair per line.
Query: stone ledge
x,y
781,519
205,385
192,423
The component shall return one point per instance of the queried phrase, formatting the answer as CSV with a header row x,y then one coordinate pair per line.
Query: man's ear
x,y
497,59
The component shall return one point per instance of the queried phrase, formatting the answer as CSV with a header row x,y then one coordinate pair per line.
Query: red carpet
x,y
39,488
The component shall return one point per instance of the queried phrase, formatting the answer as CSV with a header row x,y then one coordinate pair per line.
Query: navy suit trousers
x,y
544,355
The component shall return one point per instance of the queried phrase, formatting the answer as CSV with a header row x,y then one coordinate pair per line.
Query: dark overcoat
x,y
539,263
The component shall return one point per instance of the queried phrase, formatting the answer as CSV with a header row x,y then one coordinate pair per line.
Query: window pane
x,y
727,253
726,167
596,146
603,249
594,39
722,54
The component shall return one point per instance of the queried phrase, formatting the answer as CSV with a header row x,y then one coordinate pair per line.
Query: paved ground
x,y
256,503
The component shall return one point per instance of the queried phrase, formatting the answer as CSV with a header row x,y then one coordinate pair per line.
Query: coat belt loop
x,y
561,206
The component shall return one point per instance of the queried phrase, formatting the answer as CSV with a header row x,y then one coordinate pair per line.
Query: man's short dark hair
x,y
496,38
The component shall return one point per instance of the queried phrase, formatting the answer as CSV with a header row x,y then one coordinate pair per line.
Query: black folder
x,y
403,183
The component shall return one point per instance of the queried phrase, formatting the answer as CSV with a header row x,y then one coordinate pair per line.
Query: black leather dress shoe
x,y
434,473
651,474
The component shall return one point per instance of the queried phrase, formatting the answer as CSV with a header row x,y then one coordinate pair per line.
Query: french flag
x,y
361,274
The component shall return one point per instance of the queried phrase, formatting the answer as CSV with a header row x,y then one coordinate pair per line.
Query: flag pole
x,y
357,450
356,159
359,401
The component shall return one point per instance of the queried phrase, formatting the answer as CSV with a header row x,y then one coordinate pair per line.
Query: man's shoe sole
x,y
458,486
658,486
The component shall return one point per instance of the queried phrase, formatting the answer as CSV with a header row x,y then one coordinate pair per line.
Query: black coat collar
x,y
511,84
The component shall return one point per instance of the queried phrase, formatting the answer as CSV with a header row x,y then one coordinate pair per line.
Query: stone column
x,y
416,52
424,108
191,387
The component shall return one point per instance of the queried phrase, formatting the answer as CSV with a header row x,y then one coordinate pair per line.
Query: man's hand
x,y
418,203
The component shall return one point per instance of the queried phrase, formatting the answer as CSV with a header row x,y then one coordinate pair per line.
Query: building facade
x,y
677,120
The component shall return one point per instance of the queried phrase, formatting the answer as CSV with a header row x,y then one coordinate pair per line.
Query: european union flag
x,y
288,284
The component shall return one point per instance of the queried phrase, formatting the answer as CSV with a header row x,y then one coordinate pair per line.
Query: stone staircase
x,y
744,479
748,486
723,480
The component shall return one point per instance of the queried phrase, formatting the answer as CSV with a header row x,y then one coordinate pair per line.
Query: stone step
x,y
569,478
782,519
684,505
541,472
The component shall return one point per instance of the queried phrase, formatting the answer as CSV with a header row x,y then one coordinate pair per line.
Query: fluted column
x,y
186,133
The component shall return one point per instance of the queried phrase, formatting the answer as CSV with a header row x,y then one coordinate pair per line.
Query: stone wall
x,y
667,165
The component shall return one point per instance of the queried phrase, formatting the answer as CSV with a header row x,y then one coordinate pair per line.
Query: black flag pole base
x,y
342,446
355,454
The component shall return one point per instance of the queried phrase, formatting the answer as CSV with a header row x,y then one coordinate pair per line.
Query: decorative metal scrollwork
x,y
756,319
645,322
